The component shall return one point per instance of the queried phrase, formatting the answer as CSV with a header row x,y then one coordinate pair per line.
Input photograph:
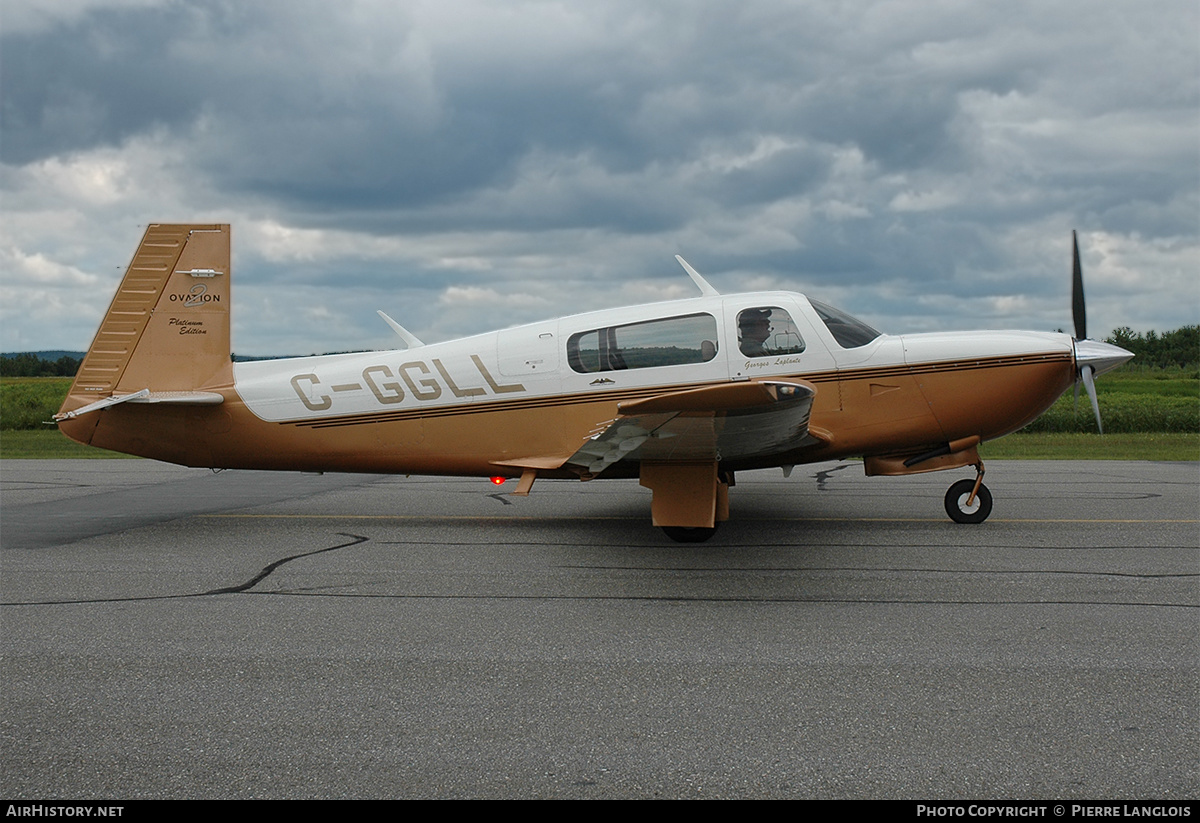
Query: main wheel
x,y
956,502
689,534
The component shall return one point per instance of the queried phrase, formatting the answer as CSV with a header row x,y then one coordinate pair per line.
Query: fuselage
x,y
531,395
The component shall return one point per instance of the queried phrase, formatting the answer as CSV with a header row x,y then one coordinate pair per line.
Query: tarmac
x,y
175,633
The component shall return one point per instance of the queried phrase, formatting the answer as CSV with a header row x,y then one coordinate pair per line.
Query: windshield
x,y
849,332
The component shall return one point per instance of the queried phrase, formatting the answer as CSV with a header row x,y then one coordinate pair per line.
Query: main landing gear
x,y
689,534
969,501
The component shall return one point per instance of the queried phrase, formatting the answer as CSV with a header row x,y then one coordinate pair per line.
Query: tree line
x,y
1180,348
30,365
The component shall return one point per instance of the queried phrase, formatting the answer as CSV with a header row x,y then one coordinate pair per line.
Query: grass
x,y
1131,401
1169,446
26,402
15,445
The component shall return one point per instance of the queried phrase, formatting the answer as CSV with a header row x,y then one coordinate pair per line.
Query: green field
x,y
1131,401
47,444
27,402
1074,446
1148,415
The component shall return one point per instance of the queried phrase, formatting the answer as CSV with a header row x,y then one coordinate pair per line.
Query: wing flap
x,y
728,421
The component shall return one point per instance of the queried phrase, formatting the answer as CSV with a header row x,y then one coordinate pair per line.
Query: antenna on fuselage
x,y
410,339
705,287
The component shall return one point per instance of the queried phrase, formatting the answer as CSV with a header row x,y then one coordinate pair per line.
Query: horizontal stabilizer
x,y
196,398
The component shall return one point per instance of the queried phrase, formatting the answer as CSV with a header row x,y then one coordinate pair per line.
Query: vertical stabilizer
x,y
167,329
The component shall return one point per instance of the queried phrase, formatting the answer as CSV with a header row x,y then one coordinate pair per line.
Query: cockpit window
x,y
672,341
849,332
768,330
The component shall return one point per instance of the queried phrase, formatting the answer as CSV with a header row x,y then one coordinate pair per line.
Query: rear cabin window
x,y
674,341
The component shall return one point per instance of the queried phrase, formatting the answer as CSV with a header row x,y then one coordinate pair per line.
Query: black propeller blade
x,y
1078,312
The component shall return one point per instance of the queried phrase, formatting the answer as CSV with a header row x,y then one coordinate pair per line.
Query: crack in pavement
x,y
249,584
267,570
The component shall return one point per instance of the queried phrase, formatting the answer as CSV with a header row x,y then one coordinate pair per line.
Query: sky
x,y
466,166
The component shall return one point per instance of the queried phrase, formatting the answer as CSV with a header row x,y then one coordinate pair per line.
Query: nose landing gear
x,y
969,501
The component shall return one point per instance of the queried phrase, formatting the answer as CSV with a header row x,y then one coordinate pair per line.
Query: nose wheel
x,y
969,501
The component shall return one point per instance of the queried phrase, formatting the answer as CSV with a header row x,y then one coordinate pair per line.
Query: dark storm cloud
x,y
280,118
97,80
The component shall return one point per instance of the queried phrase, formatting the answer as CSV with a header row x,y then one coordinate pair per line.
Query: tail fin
x,y
167,329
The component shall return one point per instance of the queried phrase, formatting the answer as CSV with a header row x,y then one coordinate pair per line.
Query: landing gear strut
x,y
969,501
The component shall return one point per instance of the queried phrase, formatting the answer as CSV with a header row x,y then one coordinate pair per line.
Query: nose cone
x,y
1101,357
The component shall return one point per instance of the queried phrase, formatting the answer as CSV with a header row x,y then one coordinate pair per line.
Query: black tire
x,y
689,534
956,501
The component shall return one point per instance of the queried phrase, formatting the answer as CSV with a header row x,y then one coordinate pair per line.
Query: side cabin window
x,y
849,332
672,341
768,331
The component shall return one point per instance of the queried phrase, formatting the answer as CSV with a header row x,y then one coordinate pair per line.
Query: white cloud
x,y
37,270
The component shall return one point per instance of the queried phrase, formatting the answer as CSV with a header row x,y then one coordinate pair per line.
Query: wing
x,y
724,422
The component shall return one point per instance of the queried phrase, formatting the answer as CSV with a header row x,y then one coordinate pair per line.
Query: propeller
x,y
1091,356
1078,310
1086,373
1087,376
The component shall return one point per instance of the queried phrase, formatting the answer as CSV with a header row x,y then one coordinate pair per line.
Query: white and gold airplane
x,y
681,395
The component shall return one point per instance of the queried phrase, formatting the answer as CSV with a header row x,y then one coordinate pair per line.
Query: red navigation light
x,y
498,481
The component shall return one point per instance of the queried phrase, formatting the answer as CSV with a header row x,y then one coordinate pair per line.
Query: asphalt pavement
x,y
171,632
